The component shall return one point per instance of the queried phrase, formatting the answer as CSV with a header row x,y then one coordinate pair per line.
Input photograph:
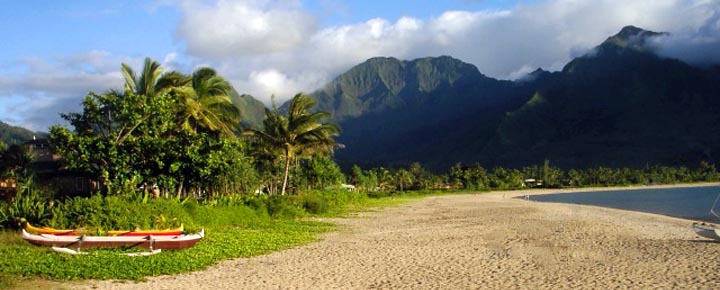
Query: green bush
x,y
313,203
243,216
281,207
98,213
27,207
257,204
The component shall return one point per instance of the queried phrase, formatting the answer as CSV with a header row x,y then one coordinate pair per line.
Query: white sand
x,y
485,241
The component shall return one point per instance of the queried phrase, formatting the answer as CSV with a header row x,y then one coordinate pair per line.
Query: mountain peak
x,y
631,37
630,31
536,74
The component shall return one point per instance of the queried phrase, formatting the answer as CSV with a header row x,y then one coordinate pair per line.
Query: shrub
x,y
281,207
98,213
27,207
258,205
314,203
206,216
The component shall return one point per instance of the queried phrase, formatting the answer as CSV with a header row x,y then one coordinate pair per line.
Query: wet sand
x,y
475,241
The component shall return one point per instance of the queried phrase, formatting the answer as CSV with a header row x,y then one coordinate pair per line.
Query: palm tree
x,y
205,104
203,97
151,81
148,85
300,134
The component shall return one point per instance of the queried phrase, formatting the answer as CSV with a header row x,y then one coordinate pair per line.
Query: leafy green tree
x,y
384,178
370,181
114,139
421,178
707,172
356,174
403,179
299,134
456,176
126,139
321,172
506,178
574,178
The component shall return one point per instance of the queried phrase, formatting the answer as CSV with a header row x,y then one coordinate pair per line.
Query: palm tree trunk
x,y
180,188
286,171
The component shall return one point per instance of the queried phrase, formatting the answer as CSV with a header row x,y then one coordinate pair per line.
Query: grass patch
x,y
234,229
221,243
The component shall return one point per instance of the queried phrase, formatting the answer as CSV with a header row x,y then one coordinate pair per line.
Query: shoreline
x,y
542,191
533,192
475,241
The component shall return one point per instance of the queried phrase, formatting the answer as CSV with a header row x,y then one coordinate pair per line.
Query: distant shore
x,y
476,241
539,191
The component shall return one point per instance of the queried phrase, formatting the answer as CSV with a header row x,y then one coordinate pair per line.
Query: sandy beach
x,y
475,241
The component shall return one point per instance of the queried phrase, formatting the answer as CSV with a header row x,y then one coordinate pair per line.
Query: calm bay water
x,y
684,202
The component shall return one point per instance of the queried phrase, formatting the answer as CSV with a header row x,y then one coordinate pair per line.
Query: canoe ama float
x,y
706,231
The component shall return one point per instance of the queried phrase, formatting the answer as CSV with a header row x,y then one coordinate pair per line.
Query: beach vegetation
x,y
299,134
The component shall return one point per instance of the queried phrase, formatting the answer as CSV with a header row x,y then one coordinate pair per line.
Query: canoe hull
x,y
154,242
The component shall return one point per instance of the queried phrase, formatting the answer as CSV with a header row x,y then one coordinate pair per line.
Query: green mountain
x,y
17,135
620,105
396,112
252,111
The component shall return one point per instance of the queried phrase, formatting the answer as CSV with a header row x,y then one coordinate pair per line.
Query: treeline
x,y
476,177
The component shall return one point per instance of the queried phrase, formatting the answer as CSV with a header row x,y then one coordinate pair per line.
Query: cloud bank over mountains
x,y
279,47
276,55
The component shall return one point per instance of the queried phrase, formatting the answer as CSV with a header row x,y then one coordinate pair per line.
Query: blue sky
x,y
54,52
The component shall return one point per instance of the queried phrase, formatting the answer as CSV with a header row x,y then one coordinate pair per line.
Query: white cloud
x,y
243,40
700,46
267,47
225,28
34,95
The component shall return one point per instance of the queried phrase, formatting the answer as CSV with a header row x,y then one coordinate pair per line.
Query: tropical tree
x,y
205,104
299,134
384,178
123,139
151,80
404,179
144,90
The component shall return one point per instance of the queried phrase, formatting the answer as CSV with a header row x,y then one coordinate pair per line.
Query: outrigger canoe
x,y
56,232
706,231
148,241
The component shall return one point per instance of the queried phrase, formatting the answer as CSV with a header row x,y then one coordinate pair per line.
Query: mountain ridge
x,y
620,102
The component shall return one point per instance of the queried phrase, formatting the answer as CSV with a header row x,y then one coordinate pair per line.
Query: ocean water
x,y
684,202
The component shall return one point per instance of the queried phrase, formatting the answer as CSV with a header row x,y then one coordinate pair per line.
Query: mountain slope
x,y
16,135
395,112
619,106
252,111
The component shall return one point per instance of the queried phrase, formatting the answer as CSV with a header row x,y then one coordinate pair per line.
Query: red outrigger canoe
x,y
149,241
139,233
